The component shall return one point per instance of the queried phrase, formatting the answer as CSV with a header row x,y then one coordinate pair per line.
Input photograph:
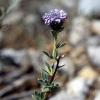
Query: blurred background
x,y
23,37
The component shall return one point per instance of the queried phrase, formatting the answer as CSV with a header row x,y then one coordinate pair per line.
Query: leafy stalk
x,y
54,55
48,85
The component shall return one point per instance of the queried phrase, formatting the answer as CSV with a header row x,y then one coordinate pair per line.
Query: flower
x,y
55,19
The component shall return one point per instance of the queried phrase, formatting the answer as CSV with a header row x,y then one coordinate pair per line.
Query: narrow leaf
x,y
49,69
61,66
48,66
33,98
47,54
59,45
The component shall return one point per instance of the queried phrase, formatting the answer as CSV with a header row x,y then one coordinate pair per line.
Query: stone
x,y
95,27
93,53
69,4
1,36
68,67
93,50
60,96
79,57
13,18
97,97
89,8
76,52
88,73
80,30
23,57
37,59
64,96
18,56
77,87
14,4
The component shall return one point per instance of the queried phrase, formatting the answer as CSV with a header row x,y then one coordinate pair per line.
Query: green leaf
x,y
49,69
45,75
59,45
54,87
61,66
45,89
33,98
39,95
47,54
42,82
51,88
46,71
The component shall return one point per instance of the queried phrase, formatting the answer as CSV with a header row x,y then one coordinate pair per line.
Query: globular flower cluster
x,y
55,19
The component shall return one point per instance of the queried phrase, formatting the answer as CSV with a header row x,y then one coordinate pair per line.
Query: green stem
x,y
54,54
54,49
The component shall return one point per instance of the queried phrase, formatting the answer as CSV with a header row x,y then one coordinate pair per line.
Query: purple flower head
x,y
55,19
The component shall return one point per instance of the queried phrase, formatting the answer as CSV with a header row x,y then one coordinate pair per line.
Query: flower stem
x,y
54,54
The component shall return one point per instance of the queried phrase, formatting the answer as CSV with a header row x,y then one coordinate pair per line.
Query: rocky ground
x,y
23,37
